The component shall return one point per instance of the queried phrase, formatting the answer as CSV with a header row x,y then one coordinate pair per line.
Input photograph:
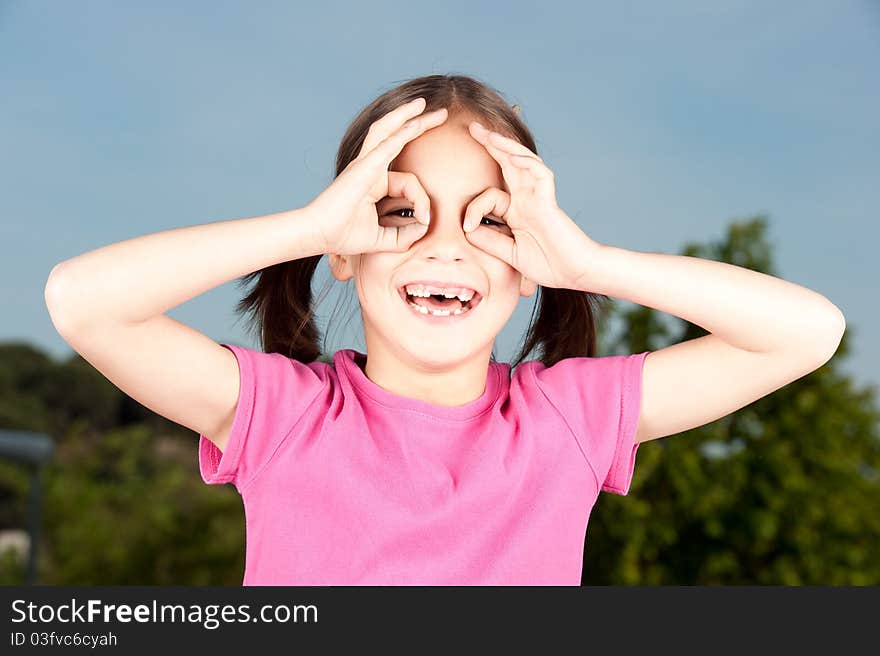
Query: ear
x,y
341,266
527,287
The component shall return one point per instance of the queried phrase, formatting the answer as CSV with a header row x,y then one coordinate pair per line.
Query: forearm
x,y
749,310
143,277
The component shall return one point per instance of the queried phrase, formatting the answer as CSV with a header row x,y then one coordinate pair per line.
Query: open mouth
x,y
438,305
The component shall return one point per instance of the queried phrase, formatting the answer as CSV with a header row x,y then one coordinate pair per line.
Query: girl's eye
x,y
410,209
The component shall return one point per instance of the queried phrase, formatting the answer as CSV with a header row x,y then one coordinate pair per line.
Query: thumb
x,y
493,242
399,239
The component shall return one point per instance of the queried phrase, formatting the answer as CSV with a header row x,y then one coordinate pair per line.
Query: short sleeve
x,y
274,393
600,400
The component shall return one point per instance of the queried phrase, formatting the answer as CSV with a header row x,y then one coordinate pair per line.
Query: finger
x,y
399,238
390,122
403,184
535,166
512,175
495,243
517,154
387,150
493,201
511,146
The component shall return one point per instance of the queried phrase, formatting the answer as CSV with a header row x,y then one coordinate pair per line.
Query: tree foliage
x,y
784,491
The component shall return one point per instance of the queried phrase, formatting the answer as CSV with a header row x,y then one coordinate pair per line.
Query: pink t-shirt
x,y
346,483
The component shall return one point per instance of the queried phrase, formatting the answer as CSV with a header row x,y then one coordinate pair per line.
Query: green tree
x,y
127,507
123,501
784,491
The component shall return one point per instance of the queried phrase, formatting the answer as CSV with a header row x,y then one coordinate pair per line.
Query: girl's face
x,y
453,168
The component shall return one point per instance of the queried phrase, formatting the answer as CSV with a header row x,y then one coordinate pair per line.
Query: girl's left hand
x,y
546,246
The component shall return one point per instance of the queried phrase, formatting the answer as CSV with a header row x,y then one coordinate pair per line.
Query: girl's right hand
x,y
345,212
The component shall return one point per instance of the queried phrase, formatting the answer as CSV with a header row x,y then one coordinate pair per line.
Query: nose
x,y
445,239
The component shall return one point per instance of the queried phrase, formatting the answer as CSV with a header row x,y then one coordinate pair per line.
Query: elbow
x,y
52,291
831,337
838,326
54,295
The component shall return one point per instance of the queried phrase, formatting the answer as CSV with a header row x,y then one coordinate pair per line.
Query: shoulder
x,y
577,368
583,381
260,367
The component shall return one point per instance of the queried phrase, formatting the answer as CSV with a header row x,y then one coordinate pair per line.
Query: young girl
x,y
424,461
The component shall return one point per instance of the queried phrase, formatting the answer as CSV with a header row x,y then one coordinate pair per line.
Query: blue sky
x,y
663,122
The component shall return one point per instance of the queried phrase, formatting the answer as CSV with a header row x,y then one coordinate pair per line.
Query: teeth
x,y
464,295
436,313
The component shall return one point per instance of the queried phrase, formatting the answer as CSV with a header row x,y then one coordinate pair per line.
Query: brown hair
x,y
281,301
